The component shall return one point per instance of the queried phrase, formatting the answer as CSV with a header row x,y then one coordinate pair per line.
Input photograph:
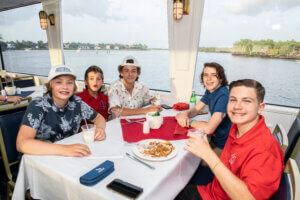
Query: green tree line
x,y
40,45
268,48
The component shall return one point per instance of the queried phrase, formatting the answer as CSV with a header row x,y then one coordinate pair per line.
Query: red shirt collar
x,y
249,135
87,94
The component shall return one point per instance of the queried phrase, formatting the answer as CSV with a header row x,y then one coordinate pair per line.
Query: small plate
x,y
140,147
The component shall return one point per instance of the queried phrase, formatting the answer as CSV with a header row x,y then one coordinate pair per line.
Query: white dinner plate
x,y
138,148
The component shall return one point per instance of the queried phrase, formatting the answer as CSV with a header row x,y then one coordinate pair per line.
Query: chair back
x,y
289,183
281,136
293,140
10,121
24,81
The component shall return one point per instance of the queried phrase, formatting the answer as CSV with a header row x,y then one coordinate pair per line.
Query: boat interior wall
x,y
279,115
54,33
183,47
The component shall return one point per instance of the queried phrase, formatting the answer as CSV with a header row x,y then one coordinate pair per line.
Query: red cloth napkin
x,y
181,106
180,130
134,132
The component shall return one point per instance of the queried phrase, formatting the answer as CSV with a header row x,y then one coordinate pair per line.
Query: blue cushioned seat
x,y
284,190
10,121
289,183
293,138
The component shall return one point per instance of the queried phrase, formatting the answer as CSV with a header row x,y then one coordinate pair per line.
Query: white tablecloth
x,y
57,177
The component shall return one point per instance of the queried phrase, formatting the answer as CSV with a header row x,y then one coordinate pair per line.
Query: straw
x,y
86,123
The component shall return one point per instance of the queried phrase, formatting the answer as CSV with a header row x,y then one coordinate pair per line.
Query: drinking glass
x,y
116,113
88,133
199,132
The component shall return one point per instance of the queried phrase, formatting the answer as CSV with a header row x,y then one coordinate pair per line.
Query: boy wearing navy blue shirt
x,y
216,97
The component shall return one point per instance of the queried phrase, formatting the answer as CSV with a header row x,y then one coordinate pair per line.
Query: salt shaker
x,y
3,92
146,127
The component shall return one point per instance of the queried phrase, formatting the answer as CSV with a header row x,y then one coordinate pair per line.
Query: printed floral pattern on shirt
x,y
53,123
119,96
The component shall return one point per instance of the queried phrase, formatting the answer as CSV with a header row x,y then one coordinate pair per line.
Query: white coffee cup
x,y
10,90
88,133
154,121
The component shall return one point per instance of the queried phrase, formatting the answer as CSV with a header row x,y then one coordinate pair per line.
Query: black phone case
x,y
166,106
125,188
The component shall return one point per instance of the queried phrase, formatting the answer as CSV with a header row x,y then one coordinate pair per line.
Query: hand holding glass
x,y
88,133
117,112
199,132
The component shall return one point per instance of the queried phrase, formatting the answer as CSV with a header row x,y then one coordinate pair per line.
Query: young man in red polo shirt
x,y
93,79
251,163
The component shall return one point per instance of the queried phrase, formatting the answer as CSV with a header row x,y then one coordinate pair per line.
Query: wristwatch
x,y
5,99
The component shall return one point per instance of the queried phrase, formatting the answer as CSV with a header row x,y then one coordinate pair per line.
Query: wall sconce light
x,y
180,8
43,19
51,19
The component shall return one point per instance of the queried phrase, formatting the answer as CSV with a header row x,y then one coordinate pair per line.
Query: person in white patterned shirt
x,y
128,93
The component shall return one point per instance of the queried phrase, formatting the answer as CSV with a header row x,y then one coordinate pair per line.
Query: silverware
x,y
141,121
127,123
142,162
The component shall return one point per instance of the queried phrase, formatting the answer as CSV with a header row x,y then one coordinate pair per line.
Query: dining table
x,y
57,177
32,91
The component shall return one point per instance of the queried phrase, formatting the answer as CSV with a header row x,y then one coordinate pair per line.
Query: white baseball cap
x,y
60,70
130,61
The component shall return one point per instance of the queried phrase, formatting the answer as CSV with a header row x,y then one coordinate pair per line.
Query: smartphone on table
x,y
125,188
165,106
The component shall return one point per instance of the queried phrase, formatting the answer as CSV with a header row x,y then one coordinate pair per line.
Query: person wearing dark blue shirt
x,y
216,98
218,126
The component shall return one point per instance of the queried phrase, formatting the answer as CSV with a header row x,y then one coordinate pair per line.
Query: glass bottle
x,y
193,99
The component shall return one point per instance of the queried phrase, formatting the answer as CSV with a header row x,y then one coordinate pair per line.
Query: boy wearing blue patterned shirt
x,y
56,116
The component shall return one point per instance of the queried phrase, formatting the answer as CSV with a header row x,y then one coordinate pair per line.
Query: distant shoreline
x,y
229,50
291,57
218,50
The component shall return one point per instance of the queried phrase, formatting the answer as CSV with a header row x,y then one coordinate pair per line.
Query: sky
x,y
145,21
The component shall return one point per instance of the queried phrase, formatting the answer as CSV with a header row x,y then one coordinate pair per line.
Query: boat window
x,y
104,35
24,43
254,39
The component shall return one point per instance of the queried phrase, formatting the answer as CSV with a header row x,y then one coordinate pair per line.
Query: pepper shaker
x,y
146,127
